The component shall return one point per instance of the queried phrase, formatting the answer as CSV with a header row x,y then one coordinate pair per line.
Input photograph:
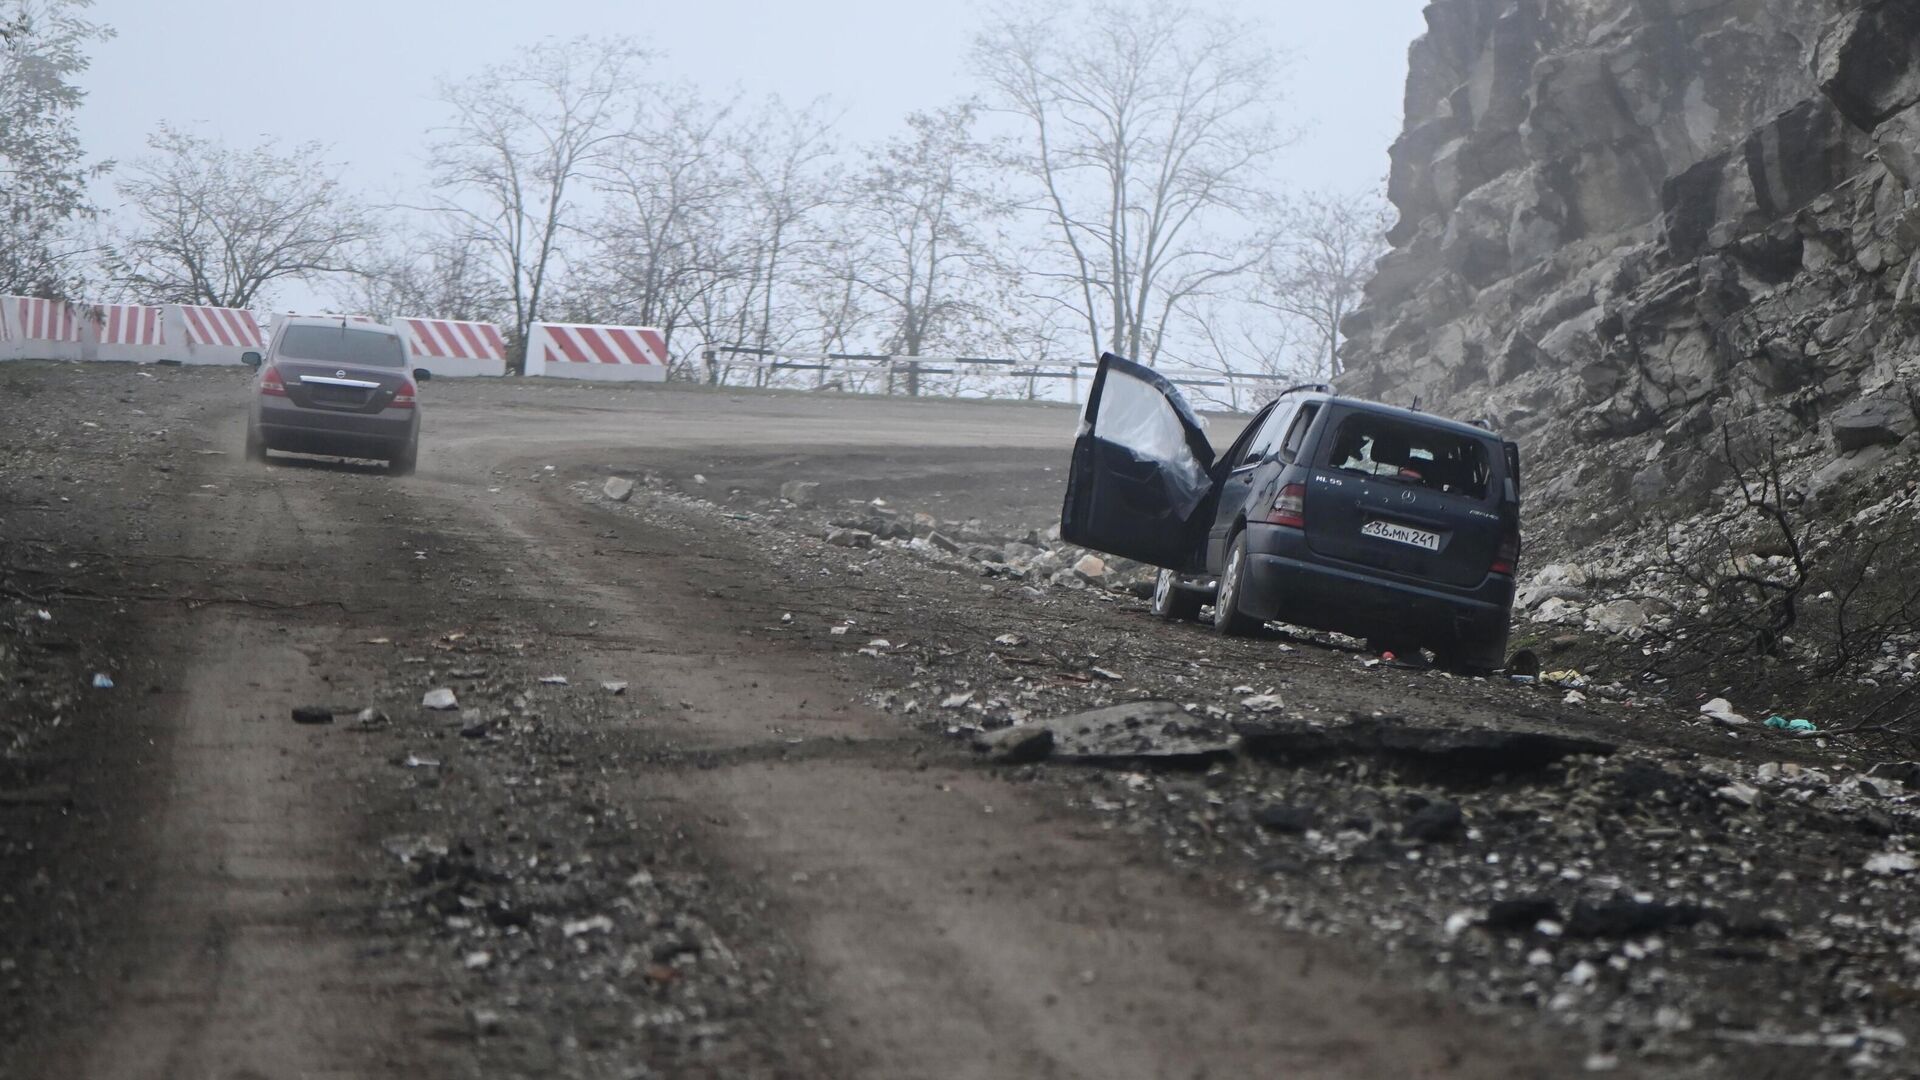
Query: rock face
x,y
1642,214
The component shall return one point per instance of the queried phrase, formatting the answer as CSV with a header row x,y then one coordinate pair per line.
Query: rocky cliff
x,y
1645,217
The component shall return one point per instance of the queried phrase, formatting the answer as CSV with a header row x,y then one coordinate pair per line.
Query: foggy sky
x,y
360,75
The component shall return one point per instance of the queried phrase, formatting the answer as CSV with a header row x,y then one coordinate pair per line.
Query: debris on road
x,y
617,488
1018,745
314,714
102,682
440,700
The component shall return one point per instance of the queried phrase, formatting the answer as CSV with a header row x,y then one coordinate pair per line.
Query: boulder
x,y
1091,569
1867,64
1618,617
617,488
1871,422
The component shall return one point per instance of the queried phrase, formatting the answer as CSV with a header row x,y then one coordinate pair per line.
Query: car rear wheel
x,y
1172,602
404,464
256,449
1475,657
1227,616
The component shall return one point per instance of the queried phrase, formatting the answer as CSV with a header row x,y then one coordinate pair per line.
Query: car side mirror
x,y
251,359
421,374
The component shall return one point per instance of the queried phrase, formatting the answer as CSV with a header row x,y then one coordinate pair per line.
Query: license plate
x,y
1401,534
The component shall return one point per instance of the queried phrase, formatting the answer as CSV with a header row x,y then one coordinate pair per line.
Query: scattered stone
x,y
1438,822
370,720
441,700
943,542
1520,914
957,701
1285,819
553,680
614,686
617,488
801,493
1892,862
1091,569
1618,617
1742,794
850,538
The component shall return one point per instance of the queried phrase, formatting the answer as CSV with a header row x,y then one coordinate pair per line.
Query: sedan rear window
x,y
342,345
1431,458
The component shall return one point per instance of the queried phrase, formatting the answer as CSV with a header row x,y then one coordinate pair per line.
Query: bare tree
x,y
524,137
441,276
917,216
787,163
1327,251
664,239
214,225
1148,128
43,172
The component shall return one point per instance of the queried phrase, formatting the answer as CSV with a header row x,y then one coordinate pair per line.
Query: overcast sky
x,y
360,75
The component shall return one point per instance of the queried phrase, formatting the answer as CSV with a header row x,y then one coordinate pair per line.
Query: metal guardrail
x,y
907,369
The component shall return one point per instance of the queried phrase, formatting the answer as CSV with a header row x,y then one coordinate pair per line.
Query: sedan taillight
x,y
1290,509
1508,557
270,384
402,398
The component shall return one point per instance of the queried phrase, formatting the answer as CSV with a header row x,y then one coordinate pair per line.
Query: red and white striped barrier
x,y
134,325
450,347
35,329
213,335
46,320
613,353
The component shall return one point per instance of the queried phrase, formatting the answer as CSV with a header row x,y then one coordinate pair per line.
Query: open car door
x,y
1142,470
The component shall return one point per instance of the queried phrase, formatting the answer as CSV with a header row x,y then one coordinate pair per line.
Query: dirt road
x,y
679,824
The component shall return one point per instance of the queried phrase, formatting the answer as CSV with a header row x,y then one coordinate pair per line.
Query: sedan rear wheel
x,y
404,464
1227,617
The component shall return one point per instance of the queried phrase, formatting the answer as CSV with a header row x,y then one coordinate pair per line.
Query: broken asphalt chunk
x,y
1018,745
1460,751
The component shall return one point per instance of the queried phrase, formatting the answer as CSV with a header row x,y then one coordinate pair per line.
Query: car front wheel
x,y
1227,616
1172,602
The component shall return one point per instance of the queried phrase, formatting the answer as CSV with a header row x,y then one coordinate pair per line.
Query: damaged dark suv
x,y
1327,512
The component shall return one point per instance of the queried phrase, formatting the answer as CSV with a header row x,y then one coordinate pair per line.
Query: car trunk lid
x,y
339,388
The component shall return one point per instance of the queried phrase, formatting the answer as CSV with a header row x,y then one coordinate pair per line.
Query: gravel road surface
x,y
706,803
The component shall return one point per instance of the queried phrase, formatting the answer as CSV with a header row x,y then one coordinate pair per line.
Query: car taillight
x,y
270,384
1290,509
1508,557
402,398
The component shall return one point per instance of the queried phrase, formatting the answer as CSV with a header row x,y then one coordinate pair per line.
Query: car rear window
x,y
1391,449
342,345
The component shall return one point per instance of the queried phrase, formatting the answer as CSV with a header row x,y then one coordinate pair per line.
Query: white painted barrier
x,y
448,347
609,353
213,335
35,329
